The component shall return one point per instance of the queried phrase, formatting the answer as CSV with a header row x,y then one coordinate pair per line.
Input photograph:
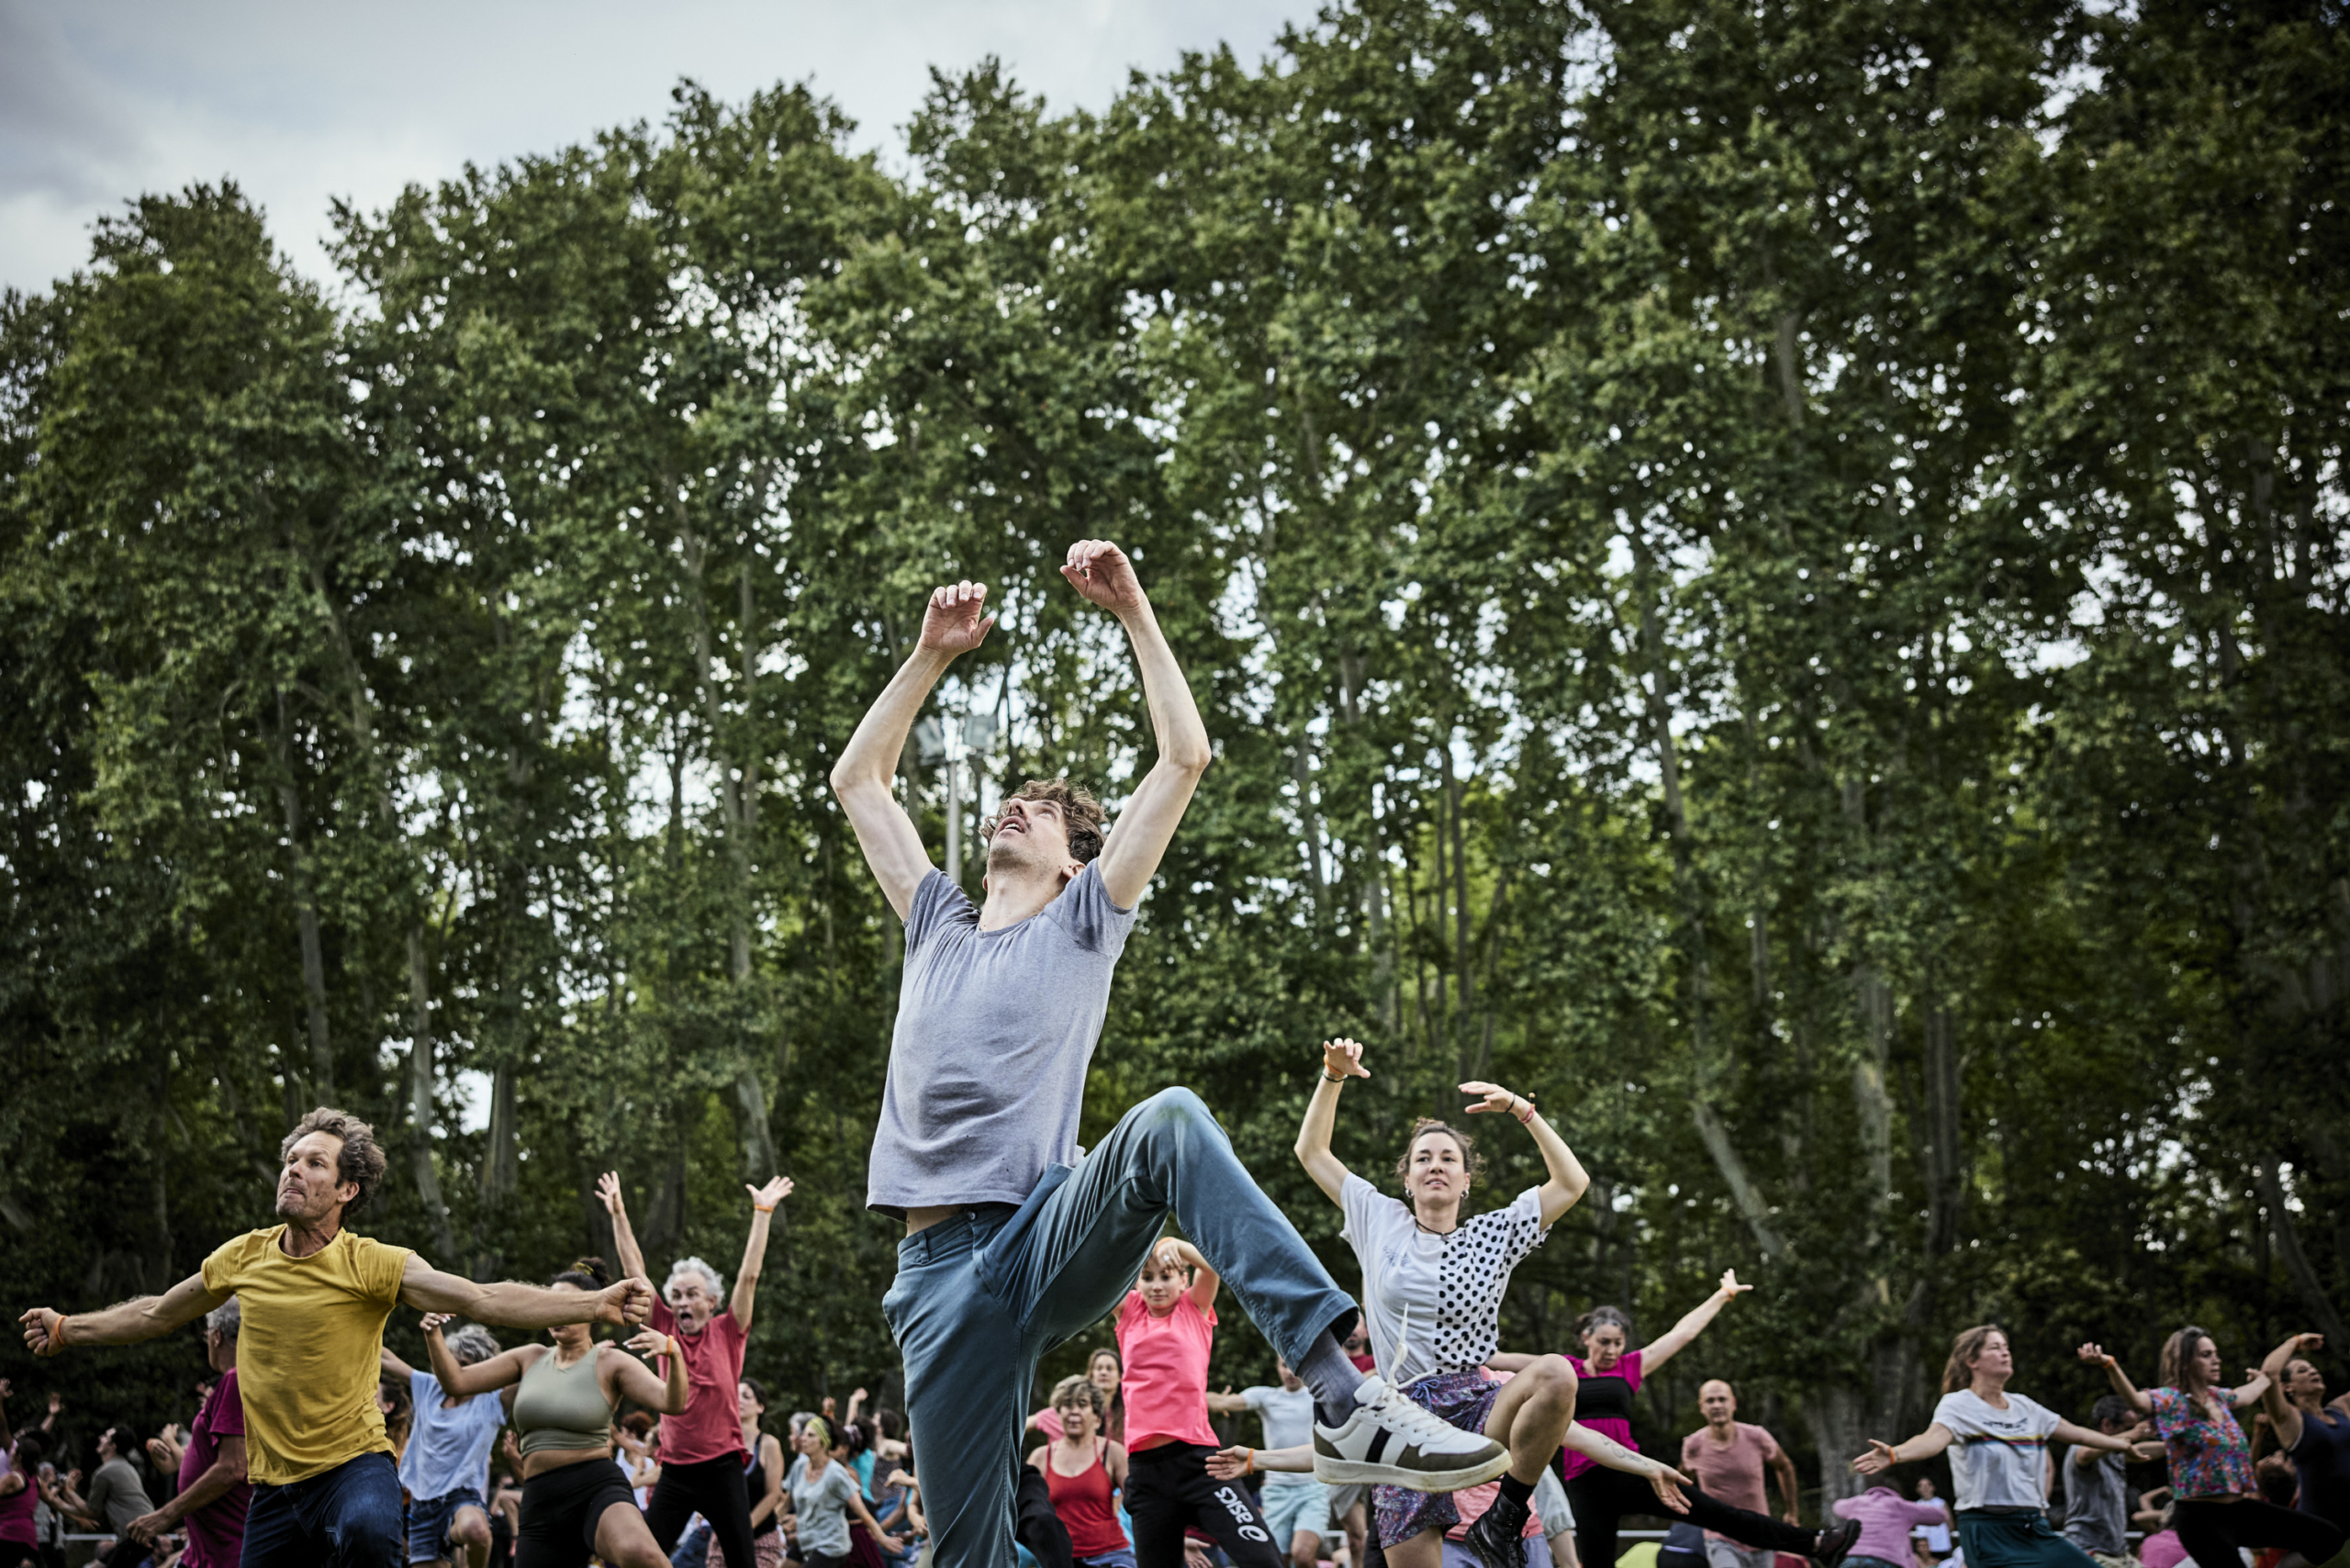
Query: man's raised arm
x,y
1130,857
951,625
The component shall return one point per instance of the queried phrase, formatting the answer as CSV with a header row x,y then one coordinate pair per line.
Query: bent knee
x,y
1552,1375
1176,1104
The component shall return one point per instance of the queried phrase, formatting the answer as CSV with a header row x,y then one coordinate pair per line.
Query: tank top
x,y
16,1509
754,1483
2322,1462
1082,1501
560,1408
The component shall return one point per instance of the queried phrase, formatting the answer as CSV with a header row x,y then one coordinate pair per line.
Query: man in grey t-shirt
x,y
2097,1495
1015,1239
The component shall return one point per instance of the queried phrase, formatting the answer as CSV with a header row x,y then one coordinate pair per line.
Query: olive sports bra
x,y
563,1407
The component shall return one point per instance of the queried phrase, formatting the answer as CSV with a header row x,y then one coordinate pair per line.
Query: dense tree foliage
x,y
1773,575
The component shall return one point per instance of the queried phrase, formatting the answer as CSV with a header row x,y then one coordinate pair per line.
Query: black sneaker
x,y
1835,1541
1498,1538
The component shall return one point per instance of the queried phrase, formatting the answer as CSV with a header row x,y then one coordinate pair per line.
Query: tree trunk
x,y
2306,1285
420,1083
304,886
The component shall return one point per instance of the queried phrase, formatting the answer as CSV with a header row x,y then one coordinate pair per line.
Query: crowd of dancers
x,y
1397,1416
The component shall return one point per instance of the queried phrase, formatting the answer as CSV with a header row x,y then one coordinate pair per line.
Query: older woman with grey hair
x,y
445,1467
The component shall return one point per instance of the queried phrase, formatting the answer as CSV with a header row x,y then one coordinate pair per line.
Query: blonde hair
x,y
1075,1383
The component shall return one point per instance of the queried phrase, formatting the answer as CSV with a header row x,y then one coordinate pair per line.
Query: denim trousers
x,y
345,1517
981,1295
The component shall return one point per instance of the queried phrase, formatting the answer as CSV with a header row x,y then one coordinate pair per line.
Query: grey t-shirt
x,y
116,1495
2096,1515
995,1030
821,1506
1289,1423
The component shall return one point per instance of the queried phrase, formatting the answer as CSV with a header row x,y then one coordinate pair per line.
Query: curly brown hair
x,y
1086,819
361,1160
1469,1158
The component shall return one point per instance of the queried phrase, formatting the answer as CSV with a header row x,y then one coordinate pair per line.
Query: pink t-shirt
x,y
1603,1403
216,1532
1886,1518
1731,1472
710,1426
2162,1550
1166,1372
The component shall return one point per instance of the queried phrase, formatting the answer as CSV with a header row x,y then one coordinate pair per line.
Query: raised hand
x,y
649,1342
626,1303
1878,1461
607,1188
1343,1058
432,1322
41,1336
2094,1355
1484,1097
1730,1288
951,622
1168,1254
774,1193
1099,570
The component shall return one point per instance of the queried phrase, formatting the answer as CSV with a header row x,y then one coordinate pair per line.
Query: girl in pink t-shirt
x,y
1166,1328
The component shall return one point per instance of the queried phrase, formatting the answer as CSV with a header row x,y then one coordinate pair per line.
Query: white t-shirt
x,y
2000,1459
1439,1296
1289,1423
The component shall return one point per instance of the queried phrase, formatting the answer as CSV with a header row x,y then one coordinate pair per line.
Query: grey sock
x,y
1332,1378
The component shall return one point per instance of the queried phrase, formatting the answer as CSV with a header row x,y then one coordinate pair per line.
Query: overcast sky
x,y
301,103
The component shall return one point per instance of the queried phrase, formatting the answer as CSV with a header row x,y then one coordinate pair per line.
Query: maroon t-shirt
x,y
216,1532
710,1427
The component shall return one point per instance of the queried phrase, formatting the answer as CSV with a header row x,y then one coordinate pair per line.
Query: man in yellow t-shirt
x,y
314,1298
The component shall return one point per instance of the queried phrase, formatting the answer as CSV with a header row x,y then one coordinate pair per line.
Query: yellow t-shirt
x,y
309,1348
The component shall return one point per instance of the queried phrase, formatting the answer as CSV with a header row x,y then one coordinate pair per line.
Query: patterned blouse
x,y
2207,1452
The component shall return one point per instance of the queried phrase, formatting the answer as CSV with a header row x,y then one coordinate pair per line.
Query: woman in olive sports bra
x,y
576,1501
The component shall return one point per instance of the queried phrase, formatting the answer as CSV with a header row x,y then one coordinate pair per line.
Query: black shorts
x,y
561,1510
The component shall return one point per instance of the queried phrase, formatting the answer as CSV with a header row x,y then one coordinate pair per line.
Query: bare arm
x,y
457,1382
2249,1393
770,1476
1205,1282
48,1331
2096,1356
2084,1438
882,1538
754,1252
1227,1403
1883,1456
951,626
2283,1414
630,1256
513,1305
1569,1182
1341,1059
1130,857
1676,1339
392,1366
1662,1479
226,1472
1783,1471
665,1393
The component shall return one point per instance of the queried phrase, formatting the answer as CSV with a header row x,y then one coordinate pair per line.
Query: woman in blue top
x,y
2316,1435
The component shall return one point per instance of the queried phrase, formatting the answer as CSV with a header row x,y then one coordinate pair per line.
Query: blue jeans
x,y
981,1296
345,1517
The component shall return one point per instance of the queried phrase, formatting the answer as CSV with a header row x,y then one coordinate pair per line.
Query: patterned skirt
x,y
1462,1399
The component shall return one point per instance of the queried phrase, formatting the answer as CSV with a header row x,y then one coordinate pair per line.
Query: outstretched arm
x,y
1676,1339
754,1247
1341,1059
513,1306
48,1331
1569,1182
1662,1479
1130,857
2139,1399
631,1255
1884,1456
2084,1436
951,626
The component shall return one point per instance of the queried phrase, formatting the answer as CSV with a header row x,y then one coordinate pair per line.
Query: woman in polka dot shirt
x,y
1432,1284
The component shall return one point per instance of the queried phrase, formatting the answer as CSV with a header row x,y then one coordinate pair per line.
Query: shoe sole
x,y
1333,1472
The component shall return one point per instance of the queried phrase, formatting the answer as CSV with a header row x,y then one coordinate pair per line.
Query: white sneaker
x,y
1390,1441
